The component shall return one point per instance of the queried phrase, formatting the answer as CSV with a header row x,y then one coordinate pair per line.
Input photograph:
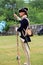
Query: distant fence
x,y
36,28
11,31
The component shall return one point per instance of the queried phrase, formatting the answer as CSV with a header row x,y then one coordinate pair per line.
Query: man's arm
x,y
18,18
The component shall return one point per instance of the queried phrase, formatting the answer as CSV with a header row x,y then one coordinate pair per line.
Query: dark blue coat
x,y
24,24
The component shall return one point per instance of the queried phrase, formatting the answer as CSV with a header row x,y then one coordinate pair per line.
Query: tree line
x,y
9,7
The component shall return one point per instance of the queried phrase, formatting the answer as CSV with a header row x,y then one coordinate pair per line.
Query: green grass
x,y
8,50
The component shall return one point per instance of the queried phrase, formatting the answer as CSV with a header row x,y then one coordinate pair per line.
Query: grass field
x,y
8,50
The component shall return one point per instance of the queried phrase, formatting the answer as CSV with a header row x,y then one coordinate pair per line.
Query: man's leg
x,y
27,52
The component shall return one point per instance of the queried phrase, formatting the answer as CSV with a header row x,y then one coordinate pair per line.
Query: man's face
x,y
21,14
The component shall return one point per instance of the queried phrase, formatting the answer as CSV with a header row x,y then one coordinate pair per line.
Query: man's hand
x,y
15,16
18,18
16,29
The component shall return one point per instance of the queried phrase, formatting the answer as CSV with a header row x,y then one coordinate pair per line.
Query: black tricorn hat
x,y
23,10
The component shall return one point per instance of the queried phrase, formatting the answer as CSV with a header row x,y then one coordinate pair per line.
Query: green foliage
x,y
9,7
1,11
6,27
37,3
2,17
36,11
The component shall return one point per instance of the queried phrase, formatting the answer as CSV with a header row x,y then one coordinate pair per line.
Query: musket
x,y
18,51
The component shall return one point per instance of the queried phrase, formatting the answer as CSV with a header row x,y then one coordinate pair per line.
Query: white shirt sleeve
x,y
18,18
